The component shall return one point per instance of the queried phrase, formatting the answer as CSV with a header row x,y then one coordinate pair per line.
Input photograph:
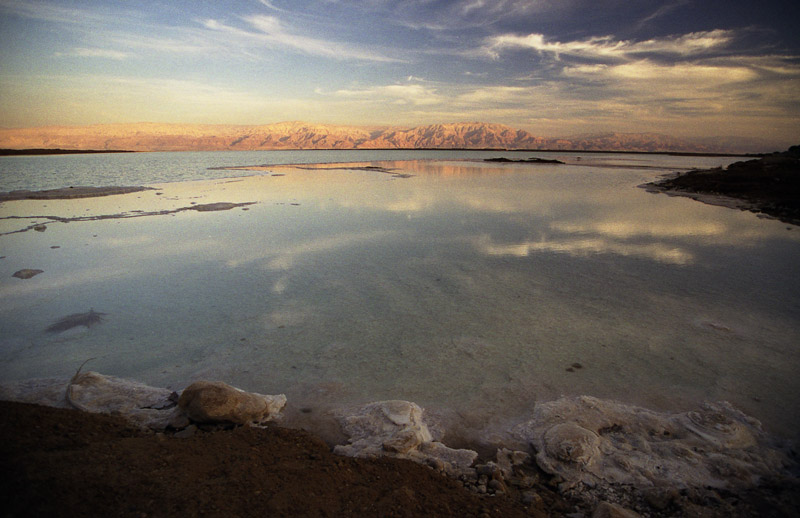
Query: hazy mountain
x,y
302,135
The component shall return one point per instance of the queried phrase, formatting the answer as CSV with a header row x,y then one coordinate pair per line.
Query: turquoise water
x,y
467,287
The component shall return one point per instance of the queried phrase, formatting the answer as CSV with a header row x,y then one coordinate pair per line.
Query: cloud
x,y
83,52
660,12
270,31
606,47
413,94
55,13
496,95
644,70
447,15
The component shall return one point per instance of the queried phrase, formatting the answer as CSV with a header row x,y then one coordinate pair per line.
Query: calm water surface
x,y
468,287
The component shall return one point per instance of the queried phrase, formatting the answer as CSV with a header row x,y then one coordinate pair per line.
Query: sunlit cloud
x,y
645,70
607,47
415,94
495,94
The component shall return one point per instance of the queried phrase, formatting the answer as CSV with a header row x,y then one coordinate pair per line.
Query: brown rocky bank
x,y
64,462
769,185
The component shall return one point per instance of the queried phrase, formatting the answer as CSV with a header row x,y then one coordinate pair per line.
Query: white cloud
x,y
54,13
644,70
413,94
496,94
607,47
271,32
83,52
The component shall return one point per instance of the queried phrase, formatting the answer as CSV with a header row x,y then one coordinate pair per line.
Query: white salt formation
x,y
599,442
396,429
146,406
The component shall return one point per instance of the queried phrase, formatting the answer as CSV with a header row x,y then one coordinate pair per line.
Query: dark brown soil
x,y
59,462
770,185
64,463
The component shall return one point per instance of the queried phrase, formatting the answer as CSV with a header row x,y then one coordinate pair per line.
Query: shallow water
x,y
469,288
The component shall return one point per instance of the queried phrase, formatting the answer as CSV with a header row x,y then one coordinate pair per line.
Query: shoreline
x,y
769,186
567,468
58,151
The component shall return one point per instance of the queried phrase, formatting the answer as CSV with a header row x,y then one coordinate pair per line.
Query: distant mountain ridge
x,y
149,136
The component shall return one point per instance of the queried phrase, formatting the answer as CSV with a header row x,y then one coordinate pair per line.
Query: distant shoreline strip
x,y
41,151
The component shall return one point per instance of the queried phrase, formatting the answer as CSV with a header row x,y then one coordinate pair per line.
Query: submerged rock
x,y
218,402
87,320
211,207
26,273
596,442
396,429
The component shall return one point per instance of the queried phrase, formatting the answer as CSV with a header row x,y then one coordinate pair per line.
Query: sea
x,y
475,289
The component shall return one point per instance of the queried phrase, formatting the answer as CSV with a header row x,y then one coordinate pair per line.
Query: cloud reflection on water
x,y
586,247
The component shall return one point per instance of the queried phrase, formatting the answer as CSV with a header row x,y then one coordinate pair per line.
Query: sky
x,y
553,67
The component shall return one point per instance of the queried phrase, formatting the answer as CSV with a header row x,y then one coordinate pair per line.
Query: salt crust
x,y
582,441
599,442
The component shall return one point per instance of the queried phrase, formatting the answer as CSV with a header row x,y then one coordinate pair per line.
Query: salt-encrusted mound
x,y
92,392
595,442
218,402
147,406
396,429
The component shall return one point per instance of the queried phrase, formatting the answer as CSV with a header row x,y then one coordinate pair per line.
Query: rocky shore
x,y
107,446
769,185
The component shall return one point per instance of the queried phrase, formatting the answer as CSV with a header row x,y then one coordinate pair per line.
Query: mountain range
x,y
302,135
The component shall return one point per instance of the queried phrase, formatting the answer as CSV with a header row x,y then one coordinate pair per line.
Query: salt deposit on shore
x,y
591,446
